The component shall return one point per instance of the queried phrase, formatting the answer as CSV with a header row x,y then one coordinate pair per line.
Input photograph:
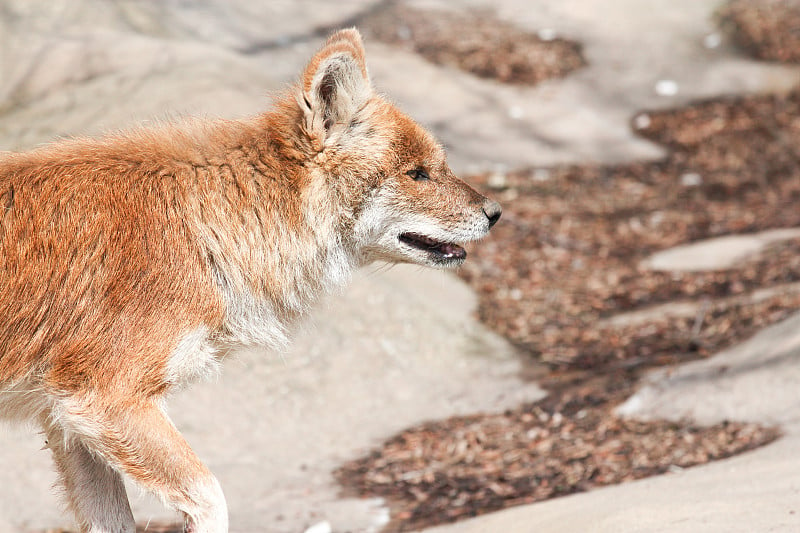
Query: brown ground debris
x,y
765,29
491,48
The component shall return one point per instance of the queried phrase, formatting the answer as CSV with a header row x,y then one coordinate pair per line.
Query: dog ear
x,y
335,87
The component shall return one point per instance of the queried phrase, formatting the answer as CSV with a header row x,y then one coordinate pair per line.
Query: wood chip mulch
x,y
565,260
569,253
462,467
491,48
765,29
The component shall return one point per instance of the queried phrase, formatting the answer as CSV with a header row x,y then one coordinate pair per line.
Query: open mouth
x,y
442,250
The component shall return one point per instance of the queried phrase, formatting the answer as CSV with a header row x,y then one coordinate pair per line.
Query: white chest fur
x,y
195,358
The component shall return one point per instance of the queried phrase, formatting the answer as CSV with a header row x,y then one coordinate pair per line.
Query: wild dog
x,y
129,265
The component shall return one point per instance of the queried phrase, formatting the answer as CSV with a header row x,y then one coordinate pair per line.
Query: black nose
x,y
492,210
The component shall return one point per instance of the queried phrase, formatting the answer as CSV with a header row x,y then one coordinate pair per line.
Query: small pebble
x,y
516,112
712,40
641,121
404,32
510,194
541,174
666,87
547,34
497,180
656,218
320,527
691,179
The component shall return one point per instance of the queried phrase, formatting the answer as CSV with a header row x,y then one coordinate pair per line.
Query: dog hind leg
x,y
140,441
95,492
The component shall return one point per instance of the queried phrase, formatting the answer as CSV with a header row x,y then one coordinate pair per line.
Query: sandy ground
x,y
400,346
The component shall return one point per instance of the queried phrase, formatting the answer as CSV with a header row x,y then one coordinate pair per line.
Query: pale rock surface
x,y
718,253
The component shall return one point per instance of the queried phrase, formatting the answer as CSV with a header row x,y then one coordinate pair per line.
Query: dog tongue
x,y
453,250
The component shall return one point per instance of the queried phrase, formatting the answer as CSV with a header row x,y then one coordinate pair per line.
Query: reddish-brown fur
x,y
130,264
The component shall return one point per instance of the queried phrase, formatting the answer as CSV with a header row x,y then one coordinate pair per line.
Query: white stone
x,y
666,87
320,527
547,34
641,121
691,179
516,112
712,40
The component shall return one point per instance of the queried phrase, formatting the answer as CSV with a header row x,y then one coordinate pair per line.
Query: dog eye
x,y
418,174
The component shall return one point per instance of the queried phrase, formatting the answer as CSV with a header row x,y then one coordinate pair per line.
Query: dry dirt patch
x,y
569,253
462,467
476,42
765,29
